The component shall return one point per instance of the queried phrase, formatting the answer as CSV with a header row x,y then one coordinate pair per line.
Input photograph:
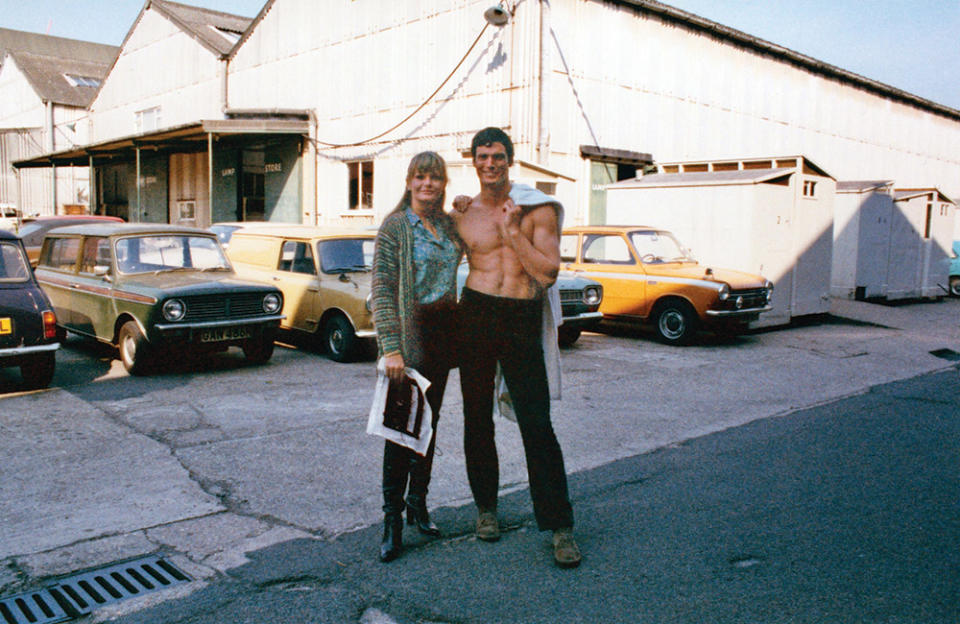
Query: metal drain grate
x,y
84,592
81,593
38,607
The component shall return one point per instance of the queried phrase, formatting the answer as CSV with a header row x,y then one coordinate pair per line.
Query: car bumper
x,y
366,333
582,320
260,320
744,314
21,351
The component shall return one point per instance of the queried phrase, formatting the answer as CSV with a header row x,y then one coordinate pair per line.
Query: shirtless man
x,y
511,233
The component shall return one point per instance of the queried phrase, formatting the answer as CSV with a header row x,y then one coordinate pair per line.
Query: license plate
x,y
6,326
218,334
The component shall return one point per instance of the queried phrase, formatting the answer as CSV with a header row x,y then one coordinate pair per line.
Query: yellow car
x,y
323,273
648,277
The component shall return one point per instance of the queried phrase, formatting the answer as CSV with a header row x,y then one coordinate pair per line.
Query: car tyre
x,y
259,350
37,372
675,322
339,339
135,352
955,285
566,336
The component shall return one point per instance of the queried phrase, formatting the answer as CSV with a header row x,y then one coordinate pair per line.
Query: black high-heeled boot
x,y
418,515
391,546
395,469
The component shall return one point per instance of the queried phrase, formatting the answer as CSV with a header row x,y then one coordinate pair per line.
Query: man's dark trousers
x,y
509,331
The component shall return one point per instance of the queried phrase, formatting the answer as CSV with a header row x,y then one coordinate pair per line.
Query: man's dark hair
x,y
489,136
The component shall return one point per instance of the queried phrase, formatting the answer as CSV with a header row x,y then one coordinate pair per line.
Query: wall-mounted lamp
x,y
496,15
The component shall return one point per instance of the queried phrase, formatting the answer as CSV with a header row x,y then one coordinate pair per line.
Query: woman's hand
x,y
461,203
393,366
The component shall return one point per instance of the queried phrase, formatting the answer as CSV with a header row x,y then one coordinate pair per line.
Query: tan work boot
x,y
565,551
488,528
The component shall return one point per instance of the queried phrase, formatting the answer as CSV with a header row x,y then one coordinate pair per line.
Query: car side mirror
x,y
101,270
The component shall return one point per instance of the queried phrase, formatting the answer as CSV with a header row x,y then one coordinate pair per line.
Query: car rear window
x,y
13,267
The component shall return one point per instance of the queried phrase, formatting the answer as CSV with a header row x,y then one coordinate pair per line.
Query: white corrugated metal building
x,y
348,90
46,85
770,216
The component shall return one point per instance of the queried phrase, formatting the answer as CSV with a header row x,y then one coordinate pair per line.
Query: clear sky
x,y
912,45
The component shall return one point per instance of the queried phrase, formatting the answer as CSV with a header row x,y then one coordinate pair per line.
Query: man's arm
x,y
540,253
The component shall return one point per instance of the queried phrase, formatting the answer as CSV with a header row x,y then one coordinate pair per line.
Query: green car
x,y
155,289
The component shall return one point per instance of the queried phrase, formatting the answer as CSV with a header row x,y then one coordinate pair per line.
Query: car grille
x,y
755,298
571,296
220,307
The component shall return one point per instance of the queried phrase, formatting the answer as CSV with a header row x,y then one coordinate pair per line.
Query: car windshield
x,y
345,254
13,264
655,247
170,252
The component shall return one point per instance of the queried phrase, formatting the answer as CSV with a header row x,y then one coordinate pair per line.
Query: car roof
x,y
607,228
123,229
295,230
76,218
8,235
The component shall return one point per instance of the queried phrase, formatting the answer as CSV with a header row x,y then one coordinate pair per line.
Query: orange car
x,y
649,277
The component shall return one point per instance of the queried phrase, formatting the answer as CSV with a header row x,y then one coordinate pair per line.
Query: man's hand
x,y
509,224
393,366
461,203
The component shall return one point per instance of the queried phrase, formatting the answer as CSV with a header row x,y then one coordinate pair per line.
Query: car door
x,y
299,284
94,310
606,257
56,273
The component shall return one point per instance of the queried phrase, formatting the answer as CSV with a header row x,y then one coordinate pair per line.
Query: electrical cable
x,y
419,108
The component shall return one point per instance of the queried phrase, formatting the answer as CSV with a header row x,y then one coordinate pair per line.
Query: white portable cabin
x,y
862,218
771,216
921,233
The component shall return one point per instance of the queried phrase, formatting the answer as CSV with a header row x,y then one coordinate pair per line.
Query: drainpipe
x,y
49,146
209,210
314,131
543,99
224,71
92,185
138,213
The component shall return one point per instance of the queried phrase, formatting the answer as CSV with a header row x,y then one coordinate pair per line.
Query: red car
x,y
32,232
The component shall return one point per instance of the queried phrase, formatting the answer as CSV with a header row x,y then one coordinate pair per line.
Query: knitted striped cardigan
x,y
392,289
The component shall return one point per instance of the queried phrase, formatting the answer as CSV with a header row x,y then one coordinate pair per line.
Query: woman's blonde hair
x,y
424,162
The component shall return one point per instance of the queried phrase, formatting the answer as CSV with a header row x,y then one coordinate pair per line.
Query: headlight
x,y
174,309
724,292
369,302
769,287
272,303
591,295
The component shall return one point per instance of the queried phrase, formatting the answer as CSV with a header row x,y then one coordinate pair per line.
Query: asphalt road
x,y
259,482
846,512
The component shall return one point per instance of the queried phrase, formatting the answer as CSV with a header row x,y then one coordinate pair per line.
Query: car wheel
x,y
955,285
260,349
134,349
339,339
567,336
37,372
675,322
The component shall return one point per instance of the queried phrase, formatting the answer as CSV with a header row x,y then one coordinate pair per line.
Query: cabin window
x,y
360,191
82,81
809,188
147,119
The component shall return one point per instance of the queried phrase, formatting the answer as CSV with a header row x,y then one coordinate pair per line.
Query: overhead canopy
x,y
186,138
